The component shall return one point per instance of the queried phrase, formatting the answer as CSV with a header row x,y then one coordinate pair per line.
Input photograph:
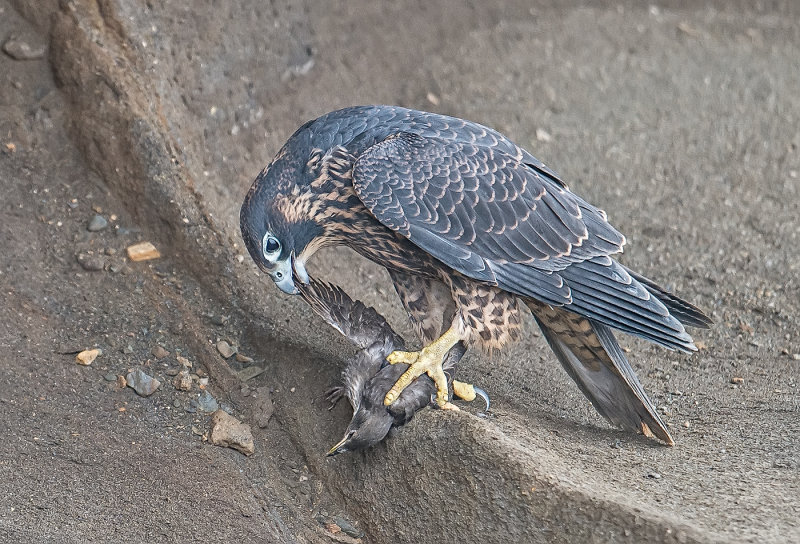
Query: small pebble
x,y
184,361
250,372
159,352
122,383
176,403
19,49
244,358
207,403
229,432
737,380
183,382
654,475
348,528
263,408
219,320
143,251
127,350
91,262
87,356
97,223
225,349
174,371
142,383
110,377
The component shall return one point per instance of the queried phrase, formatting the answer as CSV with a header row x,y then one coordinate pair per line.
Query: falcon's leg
x,y
430,306
428,303
426,361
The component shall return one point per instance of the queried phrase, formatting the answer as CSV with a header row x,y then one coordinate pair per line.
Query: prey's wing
x,y
362,325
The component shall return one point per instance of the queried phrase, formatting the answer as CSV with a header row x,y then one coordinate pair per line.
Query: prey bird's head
x,y
369,426
277,221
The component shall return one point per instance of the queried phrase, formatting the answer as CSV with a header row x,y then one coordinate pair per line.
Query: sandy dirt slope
x,y
680,121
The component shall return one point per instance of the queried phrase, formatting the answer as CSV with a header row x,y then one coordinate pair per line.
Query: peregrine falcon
x,y
473,229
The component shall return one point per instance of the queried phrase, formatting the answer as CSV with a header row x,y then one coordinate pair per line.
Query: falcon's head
x,y
277,223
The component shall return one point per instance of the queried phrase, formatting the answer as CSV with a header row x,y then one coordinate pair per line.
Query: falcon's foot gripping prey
x,y
427,361
472,229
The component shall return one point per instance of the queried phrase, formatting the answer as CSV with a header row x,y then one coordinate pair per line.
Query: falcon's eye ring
x,y
271,247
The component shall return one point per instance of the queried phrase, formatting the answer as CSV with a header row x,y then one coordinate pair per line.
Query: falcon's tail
x,y
688,314
592,357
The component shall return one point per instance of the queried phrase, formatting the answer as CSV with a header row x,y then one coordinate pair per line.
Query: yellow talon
x,y
427,361
468,392
464,391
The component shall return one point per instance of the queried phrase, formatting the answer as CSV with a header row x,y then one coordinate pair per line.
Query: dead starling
x,y
367,377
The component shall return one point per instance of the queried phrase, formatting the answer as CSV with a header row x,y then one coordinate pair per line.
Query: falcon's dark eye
x,y
271,247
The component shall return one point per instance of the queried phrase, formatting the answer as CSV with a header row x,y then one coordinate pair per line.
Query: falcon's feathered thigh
x,y
456,203
428,302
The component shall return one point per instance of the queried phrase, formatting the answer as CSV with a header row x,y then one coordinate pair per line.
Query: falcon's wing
x,y
496,217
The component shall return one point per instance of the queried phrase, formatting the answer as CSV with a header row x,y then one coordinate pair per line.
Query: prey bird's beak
x,y
338,448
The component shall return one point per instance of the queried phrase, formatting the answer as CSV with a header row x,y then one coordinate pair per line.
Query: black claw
x,y
484,395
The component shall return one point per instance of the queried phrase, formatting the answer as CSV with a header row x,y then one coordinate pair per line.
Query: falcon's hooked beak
x,y
286,271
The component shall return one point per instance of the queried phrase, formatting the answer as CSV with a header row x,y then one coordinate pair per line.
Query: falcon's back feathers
x,y
483,206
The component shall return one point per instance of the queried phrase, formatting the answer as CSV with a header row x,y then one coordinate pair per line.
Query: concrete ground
x,y
680,120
